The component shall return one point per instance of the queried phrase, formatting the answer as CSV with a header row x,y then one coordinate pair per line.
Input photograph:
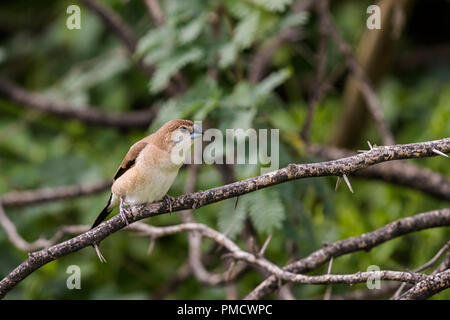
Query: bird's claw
x,y
122,211
168,199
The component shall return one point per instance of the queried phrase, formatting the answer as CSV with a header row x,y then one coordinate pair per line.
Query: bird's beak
x,y
197,132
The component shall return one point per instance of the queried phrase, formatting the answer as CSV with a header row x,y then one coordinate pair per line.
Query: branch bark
x,y
87,114
437,218
29,197
199,199
428,287
401,173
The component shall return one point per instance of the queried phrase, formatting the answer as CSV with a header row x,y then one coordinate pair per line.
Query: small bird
x,y
149,169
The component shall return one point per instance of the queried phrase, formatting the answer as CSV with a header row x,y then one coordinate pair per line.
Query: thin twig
x,y
321,5
430,263
372,100
327,294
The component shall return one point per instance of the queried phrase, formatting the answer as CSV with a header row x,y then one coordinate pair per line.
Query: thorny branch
x,y
257,260
202,198
195,239
428,287
402,173
236,253
363,242
420,286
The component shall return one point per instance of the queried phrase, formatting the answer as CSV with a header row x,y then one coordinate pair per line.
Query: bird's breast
x,y
144,184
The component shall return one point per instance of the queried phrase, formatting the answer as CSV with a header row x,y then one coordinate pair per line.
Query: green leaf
x,y
266,210
154,39
275,79
243,119
227,55
171,66
239,9
74,85
170,110
191,31
231,221
294,20
208,106
273,5
241,97
246,31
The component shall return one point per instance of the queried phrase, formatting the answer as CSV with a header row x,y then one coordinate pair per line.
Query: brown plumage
x,y
148,169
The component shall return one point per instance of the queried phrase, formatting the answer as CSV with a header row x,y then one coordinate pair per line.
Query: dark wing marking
x,y
105,212
130,159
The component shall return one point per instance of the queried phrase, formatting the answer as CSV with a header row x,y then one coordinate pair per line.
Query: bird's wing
x,y
130,158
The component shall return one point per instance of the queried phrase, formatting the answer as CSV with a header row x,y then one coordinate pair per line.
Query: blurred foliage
x,y
91,66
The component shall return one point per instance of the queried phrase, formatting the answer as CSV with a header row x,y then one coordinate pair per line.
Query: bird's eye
x,y
183,128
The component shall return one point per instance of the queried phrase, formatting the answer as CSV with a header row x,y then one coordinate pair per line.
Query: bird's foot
x,y
122,211
99,254
169,200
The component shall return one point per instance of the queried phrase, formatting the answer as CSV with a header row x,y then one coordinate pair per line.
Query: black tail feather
x,y
105,212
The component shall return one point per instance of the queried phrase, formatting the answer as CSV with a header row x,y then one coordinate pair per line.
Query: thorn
x,y
330,265
327,294
99,254
168,199
370,145
151,246
338,182
265,245
439,153
230,270
347,182
236,202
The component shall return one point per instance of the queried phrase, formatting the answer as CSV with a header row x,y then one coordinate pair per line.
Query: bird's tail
x,y
105,212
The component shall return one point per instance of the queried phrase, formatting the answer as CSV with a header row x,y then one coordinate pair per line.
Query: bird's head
x,y
176,136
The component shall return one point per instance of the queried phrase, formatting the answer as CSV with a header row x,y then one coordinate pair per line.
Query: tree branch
x,y
88,114
199,199
428,287
398,172
259,62
29,197
431,219
195,239
115,23
430,263
20,243
155,11
321,58
259,261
